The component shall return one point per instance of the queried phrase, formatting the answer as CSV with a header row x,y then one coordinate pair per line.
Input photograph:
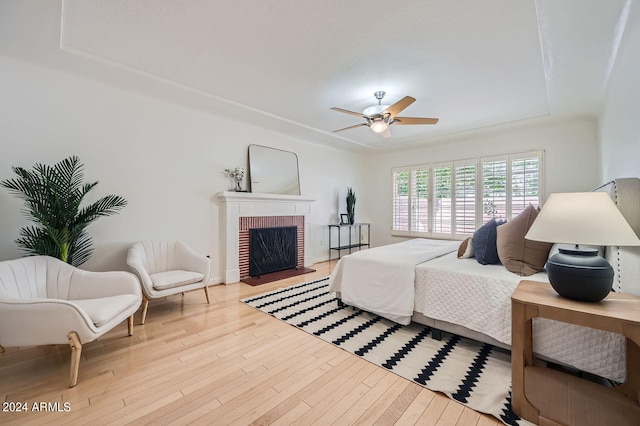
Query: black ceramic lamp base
x,y
580,274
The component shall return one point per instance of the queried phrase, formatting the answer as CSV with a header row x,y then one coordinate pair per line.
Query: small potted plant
x,y
351,205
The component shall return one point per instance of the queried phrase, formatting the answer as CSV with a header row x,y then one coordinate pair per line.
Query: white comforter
x,y
389,274
478,297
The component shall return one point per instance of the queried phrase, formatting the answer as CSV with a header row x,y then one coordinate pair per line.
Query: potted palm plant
x,y
52,197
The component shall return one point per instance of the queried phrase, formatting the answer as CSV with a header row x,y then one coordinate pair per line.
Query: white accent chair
x,y
44,301
167,267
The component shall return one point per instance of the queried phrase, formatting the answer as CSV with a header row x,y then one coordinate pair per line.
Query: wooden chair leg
x,y
130,325
206,292
145,306
76,351
1,351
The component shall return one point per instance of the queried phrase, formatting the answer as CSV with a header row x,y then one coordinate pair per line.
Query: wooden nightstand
x,y
549,397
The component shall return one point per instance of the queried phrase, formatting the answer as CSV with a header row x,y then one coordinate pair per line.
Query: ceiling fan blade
x,y
350,127
414,120
396,108
346,111
386,134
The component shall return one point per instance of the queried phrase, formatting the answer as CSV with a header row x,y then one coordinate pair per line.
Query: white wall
x,y
571,161
168,161
620,117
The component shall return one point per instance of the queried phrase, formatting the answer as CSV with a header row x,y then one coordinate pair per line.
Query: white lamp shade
x,y
582,218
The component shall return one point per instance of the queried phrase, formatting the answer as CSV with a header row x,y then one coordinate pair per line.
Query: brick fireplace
x,y
243,210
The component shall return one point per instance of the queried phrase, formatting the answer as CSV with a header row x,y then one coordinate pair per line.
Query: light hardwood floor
x,y
224,364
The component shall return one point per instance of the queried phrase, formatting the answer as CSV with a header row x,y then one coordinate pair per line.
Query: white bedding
x,y
478,297
462,291
389,274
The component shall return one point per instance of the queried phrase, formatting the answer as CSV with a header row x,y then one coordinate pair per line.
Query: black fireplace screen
x,y
272,249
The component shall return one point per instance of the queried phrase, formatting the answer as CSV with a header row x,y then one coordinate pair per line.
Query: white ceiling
x,y
282,64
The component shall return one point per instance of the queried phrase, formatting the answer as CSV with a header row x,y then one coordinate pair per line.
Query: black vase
x,y
580,274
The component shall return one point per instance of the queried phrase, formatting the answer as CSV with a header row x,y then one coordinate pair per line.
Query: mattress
x,y
478,297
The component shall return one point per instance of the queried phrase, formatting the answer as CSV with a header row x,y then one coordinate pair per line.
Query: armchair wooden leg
x,y
76,350
145,306
130,325
206,292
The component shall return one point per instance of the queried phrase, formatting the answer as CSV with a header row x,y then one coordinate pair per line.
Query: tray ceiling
x,y
282,64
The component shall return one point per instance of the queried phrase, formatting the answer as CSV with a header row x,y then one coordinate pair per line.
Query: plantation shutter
x,y
465,177
420,200
400,181
494,188
525,181
452,199
442,203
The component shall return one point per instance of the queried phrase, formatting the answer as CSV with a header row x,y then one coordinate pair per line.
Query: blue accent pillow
x,y
484,243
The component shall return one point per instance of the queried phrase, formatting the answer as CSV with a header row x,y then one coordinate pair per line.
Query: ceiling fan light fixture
x,y
378,125
380,117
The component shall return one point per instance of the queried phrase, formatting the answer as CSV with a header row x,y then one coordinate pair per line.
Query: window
x,y
401,199
452,199
525,183
442,195
420,199
465,197
494,188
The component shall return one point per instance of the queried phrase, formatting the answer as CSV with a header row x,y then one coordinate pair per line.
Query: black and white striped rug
x,y
477,375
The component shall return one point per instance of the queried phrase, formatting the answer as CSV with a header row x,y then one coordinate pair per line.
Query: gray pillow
x,y
484,243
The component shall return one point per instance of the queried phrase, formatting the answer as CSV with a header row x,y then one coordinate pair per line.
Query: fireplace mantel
x,y
249,204
249,197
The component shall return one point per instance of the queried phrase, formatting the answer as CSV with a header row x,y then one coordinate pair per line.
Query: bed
x,y
425,281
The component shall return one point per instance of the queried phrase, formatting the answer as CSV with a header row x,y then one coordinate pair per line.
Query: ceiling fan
x,y
380,117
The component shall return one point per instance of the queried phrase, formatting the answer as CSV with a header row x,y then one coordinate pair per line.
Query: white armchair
x,y
167,267
45,301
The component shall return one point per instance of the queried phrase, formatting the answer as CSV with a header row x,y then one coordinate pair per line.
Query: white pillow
x,y
465,250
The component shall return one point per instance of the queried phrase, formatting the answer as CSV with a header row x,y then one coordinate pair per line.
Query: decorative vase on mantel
x,y
237,174
351,205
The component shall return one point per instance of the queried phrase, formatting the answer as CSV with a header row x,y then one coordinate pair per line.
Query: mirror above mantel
x,y
273,171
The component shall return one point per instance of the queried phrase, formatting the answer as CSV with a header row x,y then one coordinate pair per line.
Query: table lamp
x,y
590,218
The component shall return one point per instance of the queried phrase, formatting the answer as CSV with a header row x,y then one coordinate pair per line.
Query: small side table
x,y
549,397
